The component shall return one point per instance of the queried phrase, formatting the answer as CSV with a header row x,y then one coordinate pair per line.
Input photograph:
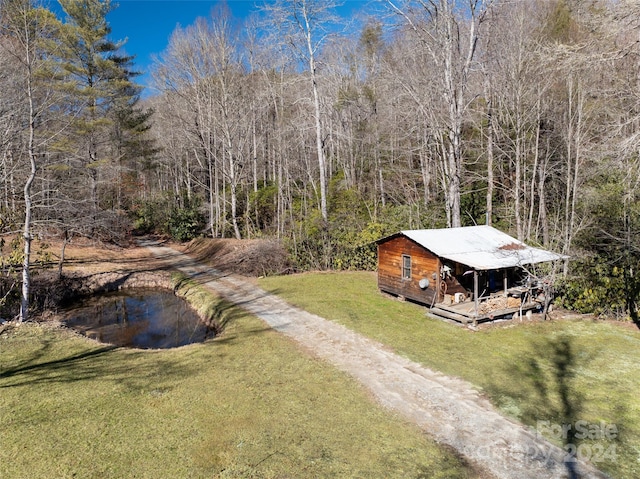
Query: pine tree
x,y
108,126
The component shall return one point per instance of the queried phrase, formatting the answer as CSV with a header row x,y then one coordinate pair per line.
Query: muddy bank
x,y
50,293
86,285
211,310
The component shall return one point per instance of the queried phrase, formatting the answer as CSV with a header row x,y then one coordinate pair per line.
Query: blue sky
x,y
148,24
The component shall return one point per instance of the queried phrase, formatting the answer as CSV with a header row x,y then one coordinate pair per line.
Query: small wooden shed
x,y
468,274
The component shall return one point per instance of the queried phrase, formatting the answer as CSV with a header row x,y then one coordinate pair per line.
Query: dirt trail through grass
x,y
446,408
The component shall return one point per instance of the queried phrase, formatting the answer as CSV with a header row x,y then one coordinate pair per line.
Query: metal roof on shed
x,y
480,247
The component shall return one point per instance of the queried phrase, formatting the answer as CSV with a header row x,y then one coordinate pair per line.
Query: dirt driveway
x,y
446,408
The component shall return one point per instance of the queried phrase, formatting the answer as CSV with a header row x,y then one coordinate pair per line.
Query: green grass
x,y
556,371
248,404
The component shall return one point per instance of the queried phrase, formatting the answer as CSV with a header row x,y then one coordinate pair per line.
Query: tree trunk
x,y
65,241
319,146
517,194
542,200
534,173
26,232
212,209
490,155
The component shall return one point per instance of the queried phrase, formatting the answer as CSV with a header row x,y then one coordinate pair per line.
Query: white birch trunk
x,y
318,126
26,231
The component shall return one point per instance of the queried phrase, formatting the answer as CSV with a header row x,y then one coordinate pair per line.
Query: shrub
x,y
185,222
180,218
594,287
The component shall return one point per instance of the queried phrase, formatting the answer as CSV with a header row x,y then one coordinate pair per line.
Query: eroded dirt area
x,y
90,267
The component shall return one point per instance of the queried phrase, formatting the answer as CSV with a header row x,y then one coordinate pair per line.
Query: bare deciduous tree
x,y
304,26
30,34
450,38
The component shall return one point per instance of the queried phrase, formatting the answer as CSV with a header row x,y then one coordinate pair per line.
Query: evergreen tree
x,y
108,125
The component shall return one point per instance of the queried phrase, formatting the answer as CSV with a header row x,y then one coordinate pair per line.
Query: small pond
x,y
138,318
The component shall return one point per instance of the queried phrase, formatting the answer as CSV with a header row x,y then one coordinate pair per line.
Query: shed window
x,y
406,266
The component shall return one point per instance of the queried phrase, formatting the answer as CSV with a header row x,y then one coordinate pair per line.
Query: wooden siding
x,y
424,264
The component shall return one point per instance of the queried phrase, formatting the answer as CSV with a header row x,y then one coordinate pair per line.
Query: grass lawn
x,y
584,373
248,404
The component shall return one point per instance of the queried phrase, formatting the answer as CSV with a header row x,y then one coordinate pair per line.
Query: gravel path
x,y
446,408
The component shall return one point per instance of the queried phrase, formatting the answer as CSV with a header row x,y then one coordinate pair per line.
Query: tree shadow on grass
x,y
46,362
548,386
555,388
128,367
541,390
32,366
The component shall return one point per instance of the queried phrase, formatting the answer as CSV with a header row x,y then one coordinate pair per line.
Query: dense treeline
x,y
327,135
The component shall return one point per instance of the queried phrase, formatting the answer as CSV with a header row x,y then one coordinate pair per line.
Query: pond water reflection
x,y
138,318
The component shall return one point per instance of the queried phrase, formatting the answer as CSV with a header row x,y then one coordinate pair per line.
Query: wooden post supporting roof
x,y
475,293
505,281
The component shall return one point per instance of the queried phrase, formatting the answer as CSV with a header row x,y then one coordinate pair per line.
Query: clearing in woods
x,y
447,408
